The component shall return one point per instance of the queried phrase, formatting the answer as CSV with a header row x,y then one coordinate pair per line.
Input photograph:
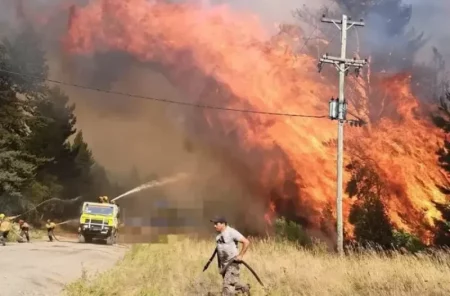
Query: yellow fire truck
x,y
98,221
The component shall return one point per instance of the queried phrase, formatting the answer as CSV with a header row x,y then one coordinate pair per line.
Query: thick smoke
x,y
165,139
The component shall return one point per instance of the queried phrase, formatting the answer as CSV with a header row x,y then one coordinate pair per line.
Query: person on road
x,y
24,231
227,249
50,227
5,228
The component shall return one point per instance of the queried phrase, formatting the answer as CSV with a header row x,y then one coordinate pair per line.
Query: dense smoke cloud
x,y
159,138
431,17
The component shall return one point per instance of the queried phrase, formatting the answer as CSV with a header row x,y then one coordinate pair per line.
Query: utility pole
x,y
338,110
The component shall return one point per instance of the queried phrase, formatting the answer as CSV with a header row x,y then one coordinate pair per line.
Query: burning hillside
x,y
248,72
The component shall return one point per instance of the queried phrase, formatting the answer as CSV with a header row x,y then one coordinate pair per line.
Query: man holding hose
x,y
50,227
227,250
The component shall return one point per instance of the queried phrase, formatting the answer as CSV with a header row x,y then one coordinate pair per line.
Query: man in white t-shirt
x,y
227,249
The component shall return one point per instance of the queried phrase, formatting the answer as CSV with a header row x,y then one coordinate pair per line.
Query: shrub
x,y
411,243
291,231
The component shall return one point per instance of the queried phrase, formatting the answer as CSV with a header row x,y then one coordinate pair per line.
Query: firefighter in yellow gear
x,y
5,228
103,199
50,227
24,231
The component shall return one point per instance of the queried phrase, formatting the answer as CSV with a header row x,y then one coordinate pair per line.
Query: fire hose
x,y
53,234
233,260
73,200
224,269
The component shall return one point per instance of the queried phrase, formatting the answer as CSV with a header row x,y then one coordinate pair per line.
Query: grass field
x,y
176,269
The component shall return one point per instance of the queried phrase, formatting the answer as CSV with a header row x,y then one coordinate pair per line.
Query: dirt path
x,y
42,268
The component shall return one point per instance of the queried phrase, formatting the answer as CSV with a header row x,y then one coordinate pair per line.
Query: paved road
x,y
42,268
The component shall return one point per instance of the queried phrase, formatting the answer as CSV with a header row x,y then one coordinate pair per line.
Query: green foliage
x,y
292,232
442,120
442,236
372,225
407,241
368,215
17,166
37,159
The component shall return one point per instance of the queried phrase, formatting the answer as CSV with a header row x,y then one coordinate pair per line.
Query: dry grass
x,y
35,234
176,269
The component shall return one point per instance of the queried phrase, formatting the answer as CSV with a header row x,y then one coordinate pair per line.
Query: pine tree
x,y
83,161
442,120
37,160
52,126
17,167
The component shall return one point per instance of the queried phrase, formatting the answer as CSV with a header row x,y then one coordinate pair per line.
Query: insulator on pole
x,y
342,110
333,109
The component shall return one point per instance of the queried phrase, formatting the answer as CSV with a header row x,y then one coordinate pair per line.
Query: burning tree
x,y
216,56
392,49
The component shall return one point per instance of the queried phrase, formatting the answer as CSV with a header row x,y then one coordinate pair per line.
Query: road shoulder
x,y
42,268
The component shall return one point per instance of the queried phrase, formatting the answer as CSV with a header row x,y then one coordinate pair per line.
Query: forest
x,y
42,153
44,156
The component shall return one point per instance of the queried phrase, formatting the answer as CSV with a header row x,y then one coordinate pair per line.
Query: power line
x,y
166,100
338,110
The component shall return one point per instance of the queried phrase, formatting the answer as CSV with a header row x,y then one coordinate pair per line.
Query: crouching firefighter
x,y
229,257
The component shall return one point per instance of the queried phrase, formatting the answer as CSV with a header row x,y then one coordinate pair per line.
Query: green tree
x,y
442,235
17,167
79,180
291,231
407,241
53,125
37,159
372,225
368,214
442,120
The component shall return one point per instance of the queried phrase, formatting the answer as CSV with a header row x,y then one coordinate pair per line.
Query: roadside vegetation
x,y
35,234
287,265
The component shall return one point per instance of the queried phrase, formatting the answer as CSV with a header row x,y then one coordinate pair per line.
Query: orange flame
x,y
268,76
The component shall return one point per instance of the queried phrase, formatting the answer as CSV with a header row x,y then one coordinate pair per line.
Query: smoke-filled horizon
x,y
427,16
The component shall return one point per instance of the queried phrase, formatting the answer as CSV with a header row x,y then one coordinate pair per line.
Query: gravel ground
x,y
41,268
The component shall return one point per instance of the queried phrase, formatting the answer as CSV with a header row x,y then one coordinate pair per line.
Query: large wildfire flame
x,y
399,145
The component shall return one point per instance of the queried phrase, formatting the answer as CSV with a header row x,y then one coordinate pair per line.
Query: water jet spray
x,y
152,184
